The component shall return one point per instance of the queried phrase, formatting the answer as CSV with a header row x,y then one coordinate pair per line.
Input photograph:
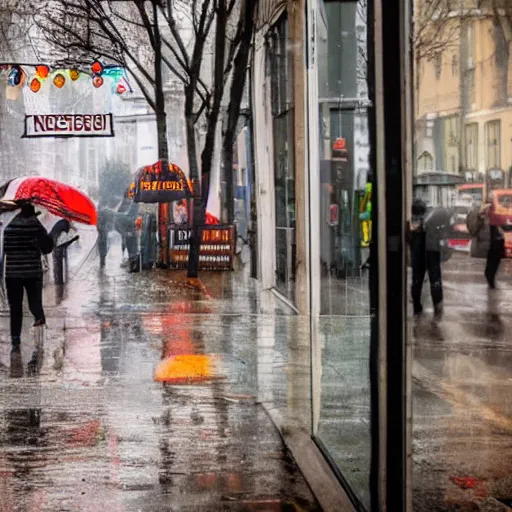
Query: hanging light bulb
x,y
97,67
42,71
97,81
74,74
35,84
59,80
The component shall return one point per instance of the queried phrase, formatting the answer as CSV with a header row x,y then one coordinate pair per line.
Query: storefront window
x,y
284,172
460,270
342,422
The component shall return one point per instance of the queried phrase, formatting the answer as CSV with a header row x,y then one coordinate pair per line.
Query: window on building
x,y
492,145
280,68
469,89
438,64
279,64
425,162
455,65
470,47
452,131
472,147
453,164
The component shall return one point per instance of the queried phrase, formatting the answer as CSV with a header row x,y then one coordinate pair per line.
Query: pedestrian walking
x,y
25,240
425,240
487,235
125,225
495,252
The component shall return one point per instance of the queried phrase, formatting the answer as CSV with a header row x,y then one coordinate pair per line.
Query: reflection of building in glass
x,y
463,91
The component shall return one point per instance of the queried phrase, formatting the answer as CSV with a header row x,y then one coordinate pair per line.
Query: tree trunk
x,y
196,218
201,189
237,90
163,149
218,90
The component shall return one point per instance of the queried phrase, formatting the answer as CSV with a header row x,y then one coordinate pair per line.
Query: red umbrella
x,y
58,198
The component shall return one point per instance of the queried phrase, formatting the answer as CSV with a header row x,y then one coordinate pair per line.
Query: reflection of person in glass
x,y
425,245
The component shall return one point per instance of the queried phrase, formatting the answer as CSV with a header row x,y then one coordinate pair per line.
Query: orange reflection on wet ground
x,y
185,369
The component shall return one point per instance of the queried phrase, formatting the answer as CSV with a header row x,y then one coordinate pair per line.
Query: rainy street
x,y
149,398
153,395
462,383
263,254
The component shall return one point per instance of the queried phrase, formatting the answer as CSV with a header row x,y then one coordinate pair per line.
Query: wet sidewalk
x,y
150,398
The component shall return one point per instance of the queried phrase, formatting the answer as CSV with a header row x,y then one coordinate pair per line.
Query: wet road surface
x,y
148,398
462,389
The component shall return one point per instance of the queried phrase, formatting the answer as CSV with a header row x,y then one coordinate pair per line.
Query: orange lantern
x,y
97,81
42,71
74,74
97,67
35,85
59,80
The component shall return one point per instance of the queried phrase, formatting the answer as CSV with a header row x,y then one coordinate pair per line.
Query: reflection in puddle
x,y
186,368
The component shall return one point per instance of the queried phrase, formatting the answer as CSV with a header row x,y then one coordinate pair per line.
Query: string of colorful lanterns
x,y
17,76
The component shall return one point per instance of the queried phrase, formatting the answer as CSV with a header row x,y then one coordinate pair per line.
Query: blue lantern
x,y
15,77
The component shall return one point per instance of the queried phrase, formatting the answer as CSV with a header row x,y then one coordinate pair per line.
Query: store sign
x,y
217,251
159,183
69,125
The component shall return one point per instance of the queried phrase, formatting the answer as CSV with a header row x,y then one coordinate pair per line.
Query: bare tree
x,y
145,37
436,27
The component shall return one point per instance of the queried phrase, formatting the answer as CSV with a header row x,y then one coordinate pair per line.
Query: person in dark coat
x,y
25,240
125,226
495,252
425,245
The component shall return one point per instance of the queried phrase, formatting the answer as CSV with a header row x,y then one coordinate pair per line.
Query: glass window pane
x,y
343,423
458,254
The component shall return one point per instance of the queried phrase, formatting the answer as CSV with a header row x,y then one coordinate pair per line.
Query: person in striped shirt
x,y
25,240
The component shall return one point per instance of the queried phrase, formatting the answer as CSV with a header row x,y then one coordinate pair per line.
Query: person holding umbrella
x,y
25,240
426,234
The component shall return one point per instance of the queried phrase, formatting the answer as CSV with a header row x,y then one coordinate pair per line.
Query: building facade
x,y
464,93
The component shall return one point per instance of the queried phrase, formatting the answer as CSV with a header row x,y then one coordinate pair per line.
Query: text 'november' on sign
x,y
69,125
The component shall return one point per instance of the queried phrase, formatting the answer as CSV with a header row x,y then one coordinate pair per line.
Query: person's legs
x,y
14,288
436,283
494,255
418,263
34,287
102,246
131,245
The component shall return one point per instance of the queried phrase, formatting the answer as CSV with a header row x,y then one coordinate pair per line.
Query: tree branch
x,y
174,71
177,36
181,62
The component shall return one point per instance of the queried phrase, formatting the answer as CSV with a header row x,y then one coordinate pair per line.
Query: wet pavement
x,y
462,383
153,396
462,389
